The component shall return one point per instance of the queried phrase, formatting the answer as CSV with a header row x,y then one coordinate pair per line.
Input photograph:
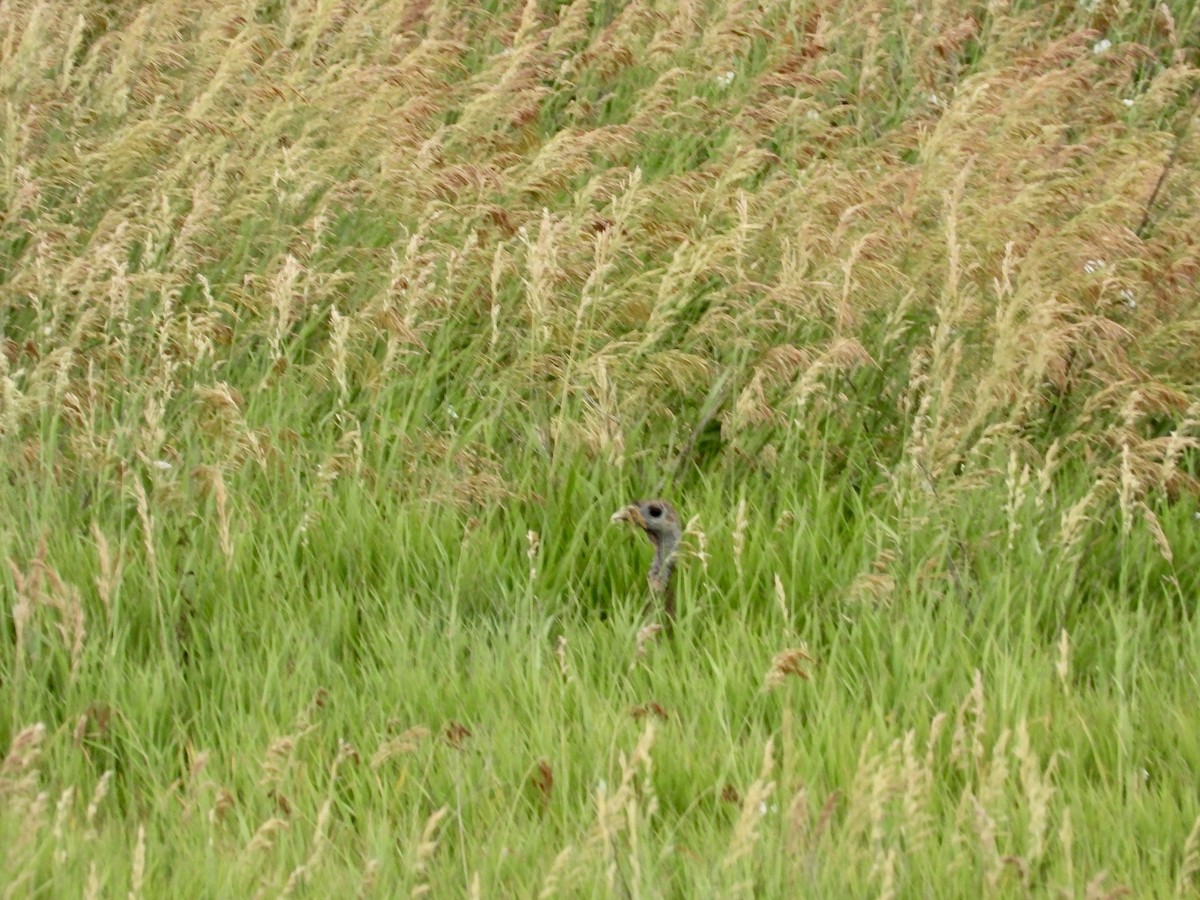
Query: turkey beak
x,y
630,514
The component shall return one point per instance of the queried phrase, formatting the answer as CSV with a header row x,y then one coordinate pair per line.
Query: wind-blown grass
x,y
333,333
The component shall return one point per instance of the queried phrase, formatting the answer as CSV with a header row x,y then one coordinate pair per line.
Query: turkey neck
x,y
662,567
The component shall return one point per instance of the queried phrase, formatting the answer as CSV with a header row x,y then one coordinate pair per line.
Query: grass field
x,y
334,332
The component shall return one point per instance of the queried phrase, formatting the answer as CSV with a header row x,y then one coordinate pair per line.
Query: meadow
x,y
333,332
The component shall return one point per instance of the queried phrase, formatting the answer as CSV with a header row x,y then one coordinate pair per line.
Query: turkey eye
x,y
654,510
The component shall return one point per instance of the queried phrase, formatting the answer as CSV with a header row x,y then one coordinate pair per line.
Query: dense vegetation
x,y
335,331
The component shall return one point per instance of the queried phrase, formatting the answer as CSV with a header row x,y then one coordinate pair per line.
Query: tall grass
x,y
334,332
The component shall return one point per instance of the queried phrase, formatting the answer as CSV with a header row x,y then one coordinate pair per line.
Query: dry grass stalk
x,y
1037,793
19,770
649,708
278,759
887,888
1177,443
34,819
224,801
843,355
619,812
1098,889
67,602
110,570
883,785
221,495
339,352
1062,667
137,877
22,612
401,745
963,753
1129,489
93,807
542,781
740,524
1190,863
557,873
917,792
147,520
560,653
645,637
936,727
264,836
1066,839
875,587
1075,519
320,837
1156,531
283,294
61,811
369,876
1016,484
42,588
799,819
455,734
700,551
785,663
1045,475
754,807
426,847
91,888
781,602
320,840
985,830
994,777
534,542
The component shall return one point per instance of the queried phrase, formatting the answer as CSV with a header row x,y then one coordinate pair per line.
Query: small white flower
x,y
813,114
1102,46
935,99
161,464
726,79
1128,101
1128,298
451,413
1093,265
47,331
762,808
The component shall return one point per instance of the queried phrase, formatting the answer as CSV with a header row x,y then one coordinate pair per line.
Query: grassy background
x,y
334,332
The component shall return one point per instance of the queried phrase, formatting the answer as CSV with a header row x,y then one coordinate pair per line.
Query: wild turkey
x,y
659,520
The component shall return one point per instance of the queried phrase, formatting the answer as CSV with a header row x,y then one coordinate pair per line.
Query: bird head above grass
x,y
660,521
